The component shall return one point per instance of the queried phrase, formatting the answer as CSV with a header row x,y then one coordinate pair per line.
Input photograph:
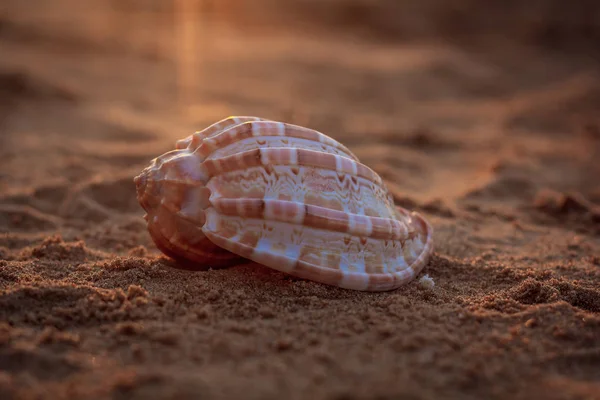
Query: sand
x,y
496,144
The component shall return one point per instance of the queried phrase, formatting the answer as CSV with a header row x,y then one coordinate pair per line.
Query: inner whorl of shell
x,y
284,196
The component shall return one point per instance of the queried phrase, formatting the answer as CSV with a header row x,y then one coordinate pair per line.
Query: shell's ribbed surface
x,y
284,196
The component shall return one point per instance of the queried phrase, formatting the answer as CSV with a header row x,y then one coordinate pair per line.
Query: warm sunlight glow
x,y
403,204
186,57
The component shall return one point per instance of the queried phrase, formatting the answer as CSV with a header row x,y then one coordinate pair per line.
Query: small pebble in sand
x,y
426,282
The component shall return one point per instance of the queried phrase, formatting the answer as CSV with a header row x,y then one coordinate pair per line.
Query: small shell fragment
x,y
427,282
284,196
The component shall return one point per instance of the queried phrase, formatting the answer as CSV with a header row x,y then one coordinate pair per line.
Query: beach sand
x,y
496,143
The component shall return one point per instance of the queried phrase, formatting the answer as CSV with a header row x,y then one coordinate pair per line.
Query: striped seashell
x,y
284,196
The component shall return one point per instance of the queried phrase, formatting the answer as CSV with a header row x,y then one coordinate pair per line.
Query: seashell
x,y
284,196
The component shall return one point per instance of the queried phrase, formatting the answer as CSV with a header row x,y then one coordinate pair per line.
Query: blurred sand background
x,y
484,116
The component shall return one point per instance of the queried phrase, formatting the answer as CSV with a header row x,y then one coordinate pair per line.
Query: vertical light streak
x,y
186,50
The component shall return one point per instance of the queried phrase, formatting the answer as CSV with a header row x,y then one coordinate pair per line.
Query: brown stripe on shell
x,y
266,128
194,140
313,216
240,249
285,156
313,272
315,268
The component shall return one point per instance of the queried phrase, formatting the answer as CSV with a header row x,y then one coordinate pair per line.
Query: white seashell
x,y
284,196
